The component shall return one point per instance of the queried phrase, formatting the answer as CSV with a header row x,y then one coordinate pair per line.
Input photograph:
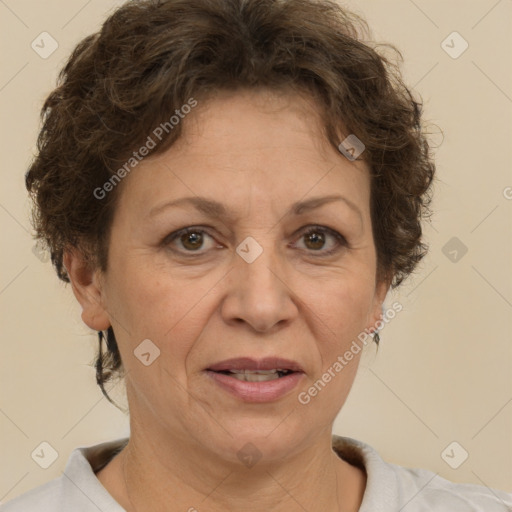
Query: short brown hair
x,y
151,56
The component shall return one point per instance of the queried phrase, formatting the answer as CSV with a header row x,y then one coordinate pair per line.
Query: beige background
x,y
443,372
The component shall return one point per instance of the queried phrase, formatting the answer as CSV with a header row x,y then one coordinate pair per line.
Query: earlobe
x,y
381,291
87,290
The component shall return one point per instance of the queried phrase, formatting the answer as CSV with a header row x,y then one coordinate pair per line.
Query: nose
x,y
259,293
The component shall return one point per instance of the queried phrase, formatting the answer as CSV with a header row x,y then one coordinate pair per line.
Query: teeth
x,y
257,372
256,376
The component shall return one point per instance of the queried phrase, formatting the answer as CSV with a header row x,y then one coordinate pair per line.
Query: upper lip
x,y
248,363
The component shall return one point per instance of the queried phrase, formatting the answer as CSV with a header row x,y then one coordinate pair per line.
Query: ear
x,y
381,290
86,285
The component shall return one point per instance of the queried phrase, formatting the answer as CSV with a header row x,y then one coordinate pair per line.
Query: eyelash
x,y
341,241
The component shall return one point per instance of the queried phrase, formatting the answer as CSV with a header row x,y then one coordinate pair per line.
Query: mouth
x,y
253,380
245,368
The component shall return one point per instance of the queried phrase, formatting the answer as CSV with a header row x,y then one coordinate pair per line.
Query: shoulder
x,y
43,498
77,489
393,487
423,488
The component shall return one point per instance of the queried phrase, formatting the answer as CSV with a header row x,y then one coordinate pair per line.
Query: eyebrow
x,y
217,210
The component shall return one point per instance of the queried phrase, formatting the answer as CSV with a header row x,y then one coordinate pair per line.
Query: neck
x,y
177,478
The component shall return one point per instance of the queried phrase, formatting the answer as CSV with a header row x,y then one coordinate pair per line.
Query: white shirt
x,y
389,487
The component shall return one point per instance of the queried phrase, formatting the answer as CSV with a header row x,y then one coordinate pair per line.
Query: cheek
x,y
340,315
151,304
341,310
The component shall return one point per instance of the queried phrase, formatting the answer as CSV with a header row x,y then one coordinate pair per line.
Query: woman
x,y
231,188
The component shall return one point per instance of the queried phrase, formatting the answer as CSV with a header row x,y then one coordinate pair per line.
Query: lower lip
x,y
265,391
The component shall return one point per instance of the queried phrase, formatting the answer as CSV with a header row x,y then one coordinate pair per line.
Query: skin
x,y
257,152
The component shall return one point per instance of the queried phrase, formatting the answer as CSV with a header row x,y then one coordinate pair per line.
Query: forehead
x,y
265,144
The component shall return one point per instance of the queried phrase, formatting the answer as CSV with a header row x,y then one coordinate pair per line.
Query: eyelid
x,y
171,237
341,241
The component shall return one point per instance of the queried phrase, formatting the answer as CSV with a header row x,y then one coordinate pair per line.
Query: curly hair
x,y
151,56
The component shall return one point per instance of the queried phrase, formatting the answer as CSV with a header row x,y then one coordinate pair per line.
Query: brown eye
x,y
317,238
189,240
192,240
314,240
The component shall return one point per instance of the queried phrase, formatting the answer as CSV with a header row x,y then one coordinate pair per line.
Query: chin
x,y
269,439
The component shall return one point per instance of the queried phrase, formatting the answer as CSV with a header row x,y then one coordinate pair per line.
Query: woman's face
x,y
247,281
